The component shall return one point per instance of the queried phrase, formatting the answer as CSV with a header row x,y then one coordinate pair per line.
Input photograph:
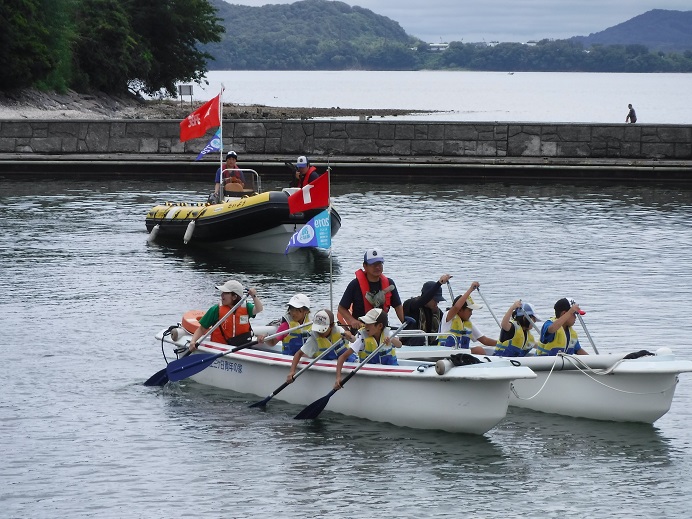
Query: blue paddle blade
x,y
314,409
262,403
160,378
188,366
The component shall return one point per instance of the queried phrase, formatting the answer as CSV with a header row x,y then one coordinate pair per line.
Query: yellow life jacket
x,y
517,346
387,355
324,343
559,342
293,341
459,333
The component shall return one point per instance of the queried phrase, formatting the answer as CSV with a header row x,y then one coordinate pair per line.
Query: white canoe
x,y
466,399
599,387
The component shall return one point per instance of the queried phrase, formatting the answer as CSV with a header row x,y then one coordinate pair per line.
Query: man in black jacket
x,y
425,311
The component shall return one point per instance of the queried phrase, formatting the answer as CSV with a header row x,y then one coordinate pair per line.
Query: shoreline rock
x,y
34,104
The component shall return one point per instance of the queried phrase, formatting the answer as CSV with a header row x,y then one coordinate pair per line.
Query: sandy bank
x,y
32,104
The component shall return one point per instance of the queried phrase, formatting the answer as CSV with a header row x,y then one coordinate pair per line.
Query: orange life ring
x,y
191,320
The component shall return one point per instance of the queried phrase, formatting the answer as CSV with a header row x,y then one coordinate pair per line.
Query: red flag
x,y
198,122
313,196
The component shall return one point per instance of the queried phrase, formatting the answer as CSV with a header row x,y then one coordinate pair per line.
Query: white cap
x,y
527,309
376,315
300,301
470,304
231,286
302,161
373,256
320,323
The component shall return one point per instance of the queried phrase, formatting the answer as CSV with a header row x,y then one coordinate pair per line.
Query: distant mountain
x,y
658,29
304,35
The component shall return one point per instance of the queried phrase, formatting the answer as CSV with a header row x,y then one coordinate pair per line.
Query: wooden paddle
x,y
188,366
263,403
160,378
313,410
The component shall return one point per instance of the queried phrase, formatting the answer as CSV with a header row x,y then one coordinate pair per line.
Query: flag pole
x,y
221,161
329,212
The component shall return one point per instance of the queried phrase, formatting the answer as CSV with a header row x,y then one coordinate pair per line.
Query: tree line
x,y
562,56
109,46
114,46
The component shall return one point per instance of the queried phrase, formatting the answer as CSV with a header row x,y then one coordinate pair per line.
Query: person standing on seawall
x,y
631,115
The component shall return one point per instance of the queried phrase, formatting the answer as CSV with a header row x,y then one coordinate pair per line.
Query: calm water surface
x,y
82,295
468,96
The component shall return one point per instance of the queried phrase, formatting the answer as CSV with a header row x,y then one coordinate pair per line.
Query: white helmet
x,y
300,301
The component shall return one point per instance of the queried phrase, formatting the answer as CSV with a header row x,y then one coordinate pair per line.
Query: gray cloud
x,y
505,20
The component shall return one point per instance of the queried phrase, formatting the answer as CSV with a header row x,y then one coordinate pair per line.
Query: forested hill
x,y
659,30
305,35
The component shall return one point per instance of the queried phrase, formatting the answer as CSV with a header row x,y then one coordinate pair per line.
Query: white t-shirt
x,y
358,345
310,346
446,326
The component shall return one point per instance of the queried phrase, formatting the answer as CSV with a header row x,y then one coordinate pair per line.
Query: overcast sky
x,y
437,21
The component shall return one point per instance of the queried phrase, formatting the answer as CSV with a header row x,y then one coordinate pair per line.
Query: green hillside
x,y
658,30
308,35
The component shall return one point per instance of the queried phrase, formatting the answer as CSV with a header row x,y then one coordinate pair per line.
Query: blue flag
x,y
214,145
316,233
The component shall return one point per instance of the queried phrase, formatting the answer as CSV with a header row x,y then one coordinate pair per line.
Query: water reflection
x,y
272,267
559,436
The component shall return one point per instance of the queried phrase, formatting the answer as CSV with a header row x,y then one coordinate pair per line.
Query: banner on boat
x,y
198,122
313,196
213,145
316,233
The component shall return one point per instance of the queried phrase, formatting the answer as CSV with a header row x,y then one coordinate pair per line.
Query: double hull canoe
x,y
466,399
599,387
258,222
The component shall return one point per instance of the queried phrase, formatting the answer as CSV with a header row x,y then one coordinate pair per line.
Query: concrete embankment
x,y
401,150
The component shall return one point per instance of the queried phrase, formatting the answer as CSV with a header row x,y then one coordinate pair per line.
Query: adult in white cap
x,y
558,334
375,333
425,311
457,321
297,313
305,172
236,329
370,289
516,339
325,332
232,178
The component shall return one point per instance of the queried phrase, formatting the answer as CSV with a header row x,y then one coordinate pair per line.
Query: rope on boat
x,y
585,369
511,385
163,336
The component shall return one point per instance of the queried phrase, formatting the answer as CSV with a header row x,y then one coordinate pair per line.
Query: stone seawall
x,y
397,150
367,139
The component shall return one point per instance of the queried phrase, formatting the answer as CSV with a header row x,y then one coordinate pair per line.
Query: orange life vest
x,y
365,288
236,326
306,179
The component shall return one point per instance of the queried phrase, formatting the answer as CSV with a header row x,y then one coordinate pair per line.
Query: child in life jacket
x,y
374,333
325,333
298,313
516,339
236,329
457,321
